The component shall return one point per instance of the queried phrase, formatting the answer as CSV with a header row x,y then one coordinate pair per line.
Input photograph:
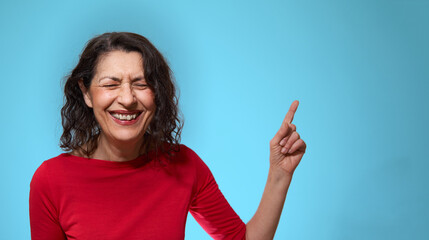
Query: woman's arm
x,y
286,151
44,222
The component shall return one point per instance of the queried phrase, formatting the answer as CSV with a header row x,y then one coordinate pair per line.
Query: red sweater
x,y
79,198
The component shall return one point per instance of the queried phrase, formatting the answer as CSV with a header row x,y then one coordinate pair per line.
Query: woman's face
x,y
122,101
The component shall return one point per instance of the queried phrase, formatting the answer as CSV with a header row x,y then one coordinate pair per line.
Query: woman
x,y
125,175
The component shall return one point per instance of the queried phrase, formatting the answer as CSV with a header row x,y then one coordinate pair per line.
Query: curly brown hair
x,y
80,128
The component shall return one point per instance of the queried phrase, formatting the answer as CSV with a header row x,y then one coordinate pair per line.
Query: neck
x,y
118,151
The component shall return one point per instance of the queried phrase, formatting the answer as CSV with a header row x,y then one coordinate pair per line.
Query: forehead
x,y
120,62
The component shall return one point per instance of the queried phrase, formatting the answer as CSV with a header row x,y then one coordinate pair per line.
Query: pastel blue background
x,y
359,68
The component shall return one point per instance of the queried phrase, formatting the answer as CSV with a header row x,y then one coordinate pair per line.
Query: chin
x,y
127,136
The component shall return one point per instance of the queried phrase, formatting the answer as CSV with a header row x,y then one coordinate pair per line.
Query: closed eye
x,y
141,86
111,85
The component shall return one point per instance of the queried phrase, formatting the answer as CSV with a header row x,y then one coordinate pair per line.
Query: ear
x,y
85,93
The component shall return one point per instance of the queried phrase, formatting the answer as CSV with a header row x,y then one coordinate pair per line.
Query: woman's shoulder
x,y
192,157
187,152
56,165
46,168
53,162
179,155
185,149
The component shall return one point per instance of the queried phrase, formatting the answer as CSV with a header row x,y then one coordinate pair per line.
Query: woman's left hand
x,y
287,148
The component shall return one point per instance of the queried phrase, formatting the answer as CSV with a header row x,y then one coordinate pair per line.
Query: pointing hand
x,y
287,148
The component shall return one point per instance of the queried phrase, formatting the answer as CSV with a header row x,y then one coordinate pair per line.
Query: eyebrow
x,y
138,78
111,77
118,80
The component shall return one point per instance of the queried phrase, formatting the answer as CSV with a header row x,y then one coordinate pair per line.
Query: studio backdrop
x,y
359,68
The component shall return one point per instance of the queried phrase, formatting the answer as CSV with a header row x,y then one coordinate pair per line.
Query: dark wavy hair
x,y
80,127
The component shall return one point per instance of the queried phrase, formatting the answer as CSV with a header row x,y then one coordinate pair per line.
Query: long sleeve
x,y
43,213
210,208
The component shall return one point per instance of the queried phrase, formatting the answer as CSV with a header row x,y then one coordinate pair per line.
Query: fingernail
x,y
284,150
282,142
290,150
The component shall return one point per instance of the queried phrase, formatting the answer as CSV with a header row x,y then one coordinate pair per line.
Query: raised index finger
x,y
291,112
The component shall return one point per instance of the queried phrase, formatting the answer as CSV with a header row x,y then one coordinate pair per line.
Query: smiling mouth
x,y
125,116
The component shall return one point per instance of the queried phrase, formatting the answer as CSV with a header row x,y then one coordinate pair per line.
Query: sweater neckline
x,y
134,163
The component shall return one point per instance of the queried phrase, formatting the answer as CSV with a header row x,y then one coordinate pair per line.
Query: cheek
x,y
101,98
148,99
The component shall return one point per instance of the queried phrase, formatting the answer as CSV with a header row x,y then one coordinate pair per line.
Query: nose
x,y
126,95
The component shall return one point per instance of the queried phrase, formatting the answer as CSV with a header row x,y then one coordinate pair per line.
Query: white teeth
x,y
124,116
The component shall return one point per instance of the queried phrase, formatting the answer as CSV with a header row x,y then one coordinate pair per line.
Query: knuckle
x,y
294,135
302,143
289,143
